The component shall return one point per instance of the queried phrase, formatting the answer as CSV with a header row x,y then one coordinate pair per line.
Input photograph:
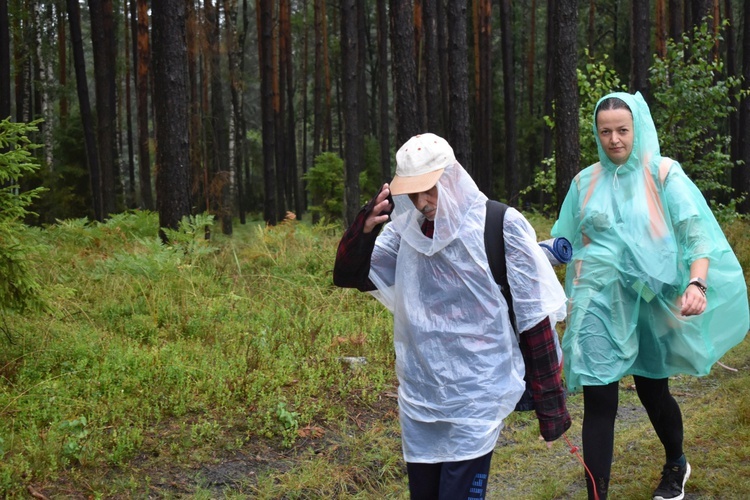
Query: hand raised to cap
x,y
381,209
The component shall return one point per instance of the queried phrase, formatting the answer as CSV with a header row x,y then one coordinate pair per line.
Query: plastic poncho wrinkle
x,y
459,366
635,229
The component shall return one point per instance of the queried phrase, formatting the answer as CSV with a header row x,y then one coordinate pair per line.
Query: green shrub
x,y
325,181
692,102
19,285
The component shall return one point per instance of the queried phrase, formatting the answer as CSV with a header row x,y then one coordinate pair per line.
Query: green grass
x,y
213,369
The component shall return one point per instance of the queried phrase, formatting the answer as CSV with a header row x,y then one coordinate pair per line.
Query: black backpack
x,y
494,245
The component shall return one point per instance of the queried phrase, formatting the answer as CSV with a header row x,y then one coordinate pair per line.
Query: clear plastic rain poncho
x,y
635,230
459,366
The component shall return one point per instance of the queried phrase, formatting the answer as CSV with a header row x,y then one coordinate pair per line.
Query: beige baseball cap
x,y
420,162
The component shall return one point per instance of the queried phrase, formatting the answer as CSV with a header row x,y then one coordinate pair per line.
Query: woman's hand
x,y
693,301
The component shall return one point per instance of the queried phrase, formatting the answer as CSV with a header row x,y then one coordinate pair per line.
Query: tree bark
x,y
290,149
421,70
531,59
509,86
129,11
591,31
218,137
661,29
171,116
143,61
700,9
731,65
303,81
92,154
483,96
354,147
675,20
458,82
432,68
549,77
318,20
62,57
278,79
383,105
22,64
404,70
741,172
102,29
442,40
264,10
4,61
235,46
198,169
640,47
567,141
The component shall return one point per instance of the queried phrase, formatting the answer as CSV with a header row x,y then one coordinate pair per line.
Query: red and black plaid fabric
x,y
543,367
352,265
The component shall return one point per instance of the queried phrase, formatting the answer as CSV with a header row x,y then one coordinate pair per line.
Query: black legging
x,y
600,410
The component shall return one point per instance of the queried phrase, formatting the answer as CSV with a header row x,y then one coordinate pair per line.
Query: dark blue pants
x,y
466,479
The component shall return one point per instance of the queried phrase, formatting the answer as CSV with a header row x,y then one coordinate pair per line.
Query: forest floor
x,y
157,473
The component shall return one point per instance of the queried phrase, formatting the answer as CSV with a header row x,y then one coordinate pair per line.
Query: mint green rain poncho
x,y
635,229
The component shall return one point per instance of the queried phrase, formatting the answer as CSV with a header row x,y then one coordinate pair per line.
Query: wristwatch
x,y
700,283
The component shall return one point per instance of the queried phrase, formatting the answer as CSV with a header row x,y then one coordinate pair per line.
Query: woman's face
x,y
615,129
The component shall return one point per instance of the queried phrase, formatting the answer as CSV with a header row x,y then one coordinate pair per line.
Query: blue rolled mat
x,y
558,250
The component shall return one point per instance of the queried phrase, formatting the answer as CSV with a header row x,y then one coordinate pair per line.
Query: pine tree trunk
x,y
234,54
567,143
265,61
171,112
218,143
291,182
62,59
92,154
661,29
675,20
353,138
143,63
131,195
640,47
432,68
102,27
731,65
483,105
383,106
458,81
741,172
404,70
509,85
4,61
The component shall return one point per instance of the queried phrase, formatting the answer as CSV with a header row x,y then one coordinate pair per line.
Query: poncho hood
x,y
645,139
458,194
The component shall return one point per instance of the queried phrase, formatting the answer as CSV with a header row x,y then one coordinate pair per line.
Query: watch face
x,y
701,283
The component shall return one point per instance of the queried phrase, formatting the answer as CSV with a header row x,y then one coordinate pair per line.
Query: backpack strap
x,y
494,245
664,166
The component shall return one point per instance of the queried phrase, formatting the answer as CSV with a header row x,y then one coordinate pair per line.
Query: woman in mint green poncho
x,y
654,287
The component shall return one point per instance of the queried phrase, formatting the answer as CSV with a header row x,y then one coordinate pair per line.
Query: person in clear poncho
x,y
654,287
459,365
